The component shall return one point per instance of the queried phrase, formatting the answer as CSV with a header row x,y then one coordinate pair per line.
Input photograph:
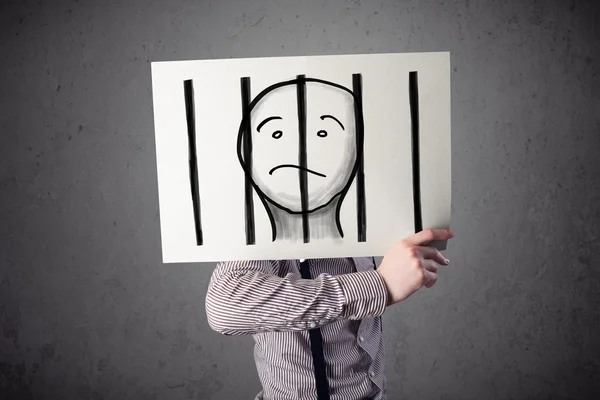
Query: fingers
x,y
431,253
430,275
429,279
429,235
430,265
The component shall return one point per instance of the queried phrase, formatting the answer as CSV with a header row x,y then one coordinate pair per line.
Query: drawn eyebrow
x,y
333,118
265,121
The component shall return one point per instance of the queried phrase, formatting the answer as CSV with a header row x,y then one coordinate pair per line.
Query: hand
x,y
411,264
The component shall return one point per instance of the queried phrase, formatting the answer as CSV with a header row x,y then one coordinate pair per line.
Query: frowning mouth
x,y
297,167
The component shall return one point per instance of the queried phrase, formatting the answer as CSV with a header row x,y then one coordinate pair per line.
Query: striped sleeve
x,y
246,297
365,294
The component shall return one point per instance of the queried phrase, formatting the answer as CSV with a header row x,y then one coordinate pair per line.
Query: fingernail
x,y
447,261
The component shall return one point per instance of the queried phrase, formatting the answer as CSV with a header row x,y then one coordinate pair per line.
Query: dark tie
x,y
316,347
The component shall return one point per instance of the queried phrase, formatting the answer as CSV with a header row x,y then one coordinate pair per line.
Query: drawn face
x,y
329,151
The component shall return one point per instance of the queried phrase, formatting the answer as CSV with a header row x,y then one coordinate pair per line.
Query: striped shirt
x,y
268,299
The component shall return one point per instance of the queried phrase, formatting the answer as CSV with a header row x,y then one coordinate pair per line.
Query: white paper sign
x,y
300,157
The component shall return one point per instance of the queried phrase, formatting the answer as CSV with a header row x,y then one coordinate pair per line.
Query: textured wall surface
x,y
87,311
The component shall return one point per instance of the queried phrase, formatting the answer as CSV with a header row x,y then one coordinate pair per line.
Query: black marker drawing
x,y
413,95
248,199
305,204
300,157
312,213
188,88
361,210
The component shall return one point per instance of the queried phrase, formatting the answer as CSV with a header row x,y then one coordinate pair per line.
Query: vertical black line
x,y
190,116
414,117
361,211
302,159
316,348
247,136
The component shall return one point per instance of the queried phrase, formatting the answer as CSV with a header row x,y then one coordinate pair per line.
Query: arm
x,y
245,297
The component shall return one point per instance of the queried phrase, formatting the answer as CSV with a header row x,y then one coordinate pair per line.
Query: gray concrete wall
x,y
87,311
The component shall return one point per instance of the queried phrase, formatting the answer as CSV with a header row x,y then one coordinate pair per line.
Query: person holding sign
x,y
317,323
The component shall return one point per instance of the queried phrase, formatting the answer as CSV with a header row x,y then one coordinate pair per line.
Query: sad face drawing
x,y
300,143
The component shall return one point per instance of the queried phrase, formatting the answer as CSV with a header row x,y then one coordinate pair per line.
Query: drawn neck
x,y
322,223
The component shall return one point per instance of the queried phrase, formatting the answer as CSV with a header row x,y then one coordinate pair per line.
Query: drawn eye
x,y
277,134
322,133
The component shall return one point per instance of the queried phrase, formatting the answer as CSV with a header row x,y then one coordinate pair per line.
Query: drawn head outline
x,y
323,182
